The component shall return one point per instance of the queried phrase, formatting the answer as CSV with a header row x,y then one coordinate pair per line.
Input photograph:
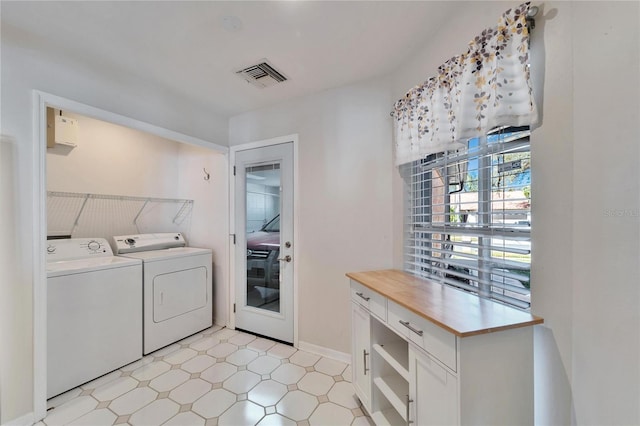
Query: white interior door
x,y
264,241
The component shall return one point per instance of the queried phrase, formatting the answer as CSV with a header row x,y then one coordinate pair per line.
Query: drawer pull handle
x,y
409,401
363,296
364,359
406,324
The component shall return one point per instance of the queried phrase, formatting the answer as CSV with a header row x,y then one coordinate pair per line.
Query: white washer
x,y
94,312
177,286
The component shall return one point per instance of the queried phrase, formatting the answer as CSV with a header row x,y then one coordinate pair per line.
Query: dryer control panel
x,y
77,248
146,242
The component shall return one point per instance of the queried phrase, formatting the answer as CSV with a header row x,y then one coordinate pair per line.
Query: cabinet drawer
x,y
435,340
374,302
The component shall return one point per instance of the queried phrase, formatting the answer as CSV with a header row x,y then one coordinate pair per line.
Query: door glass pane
x,y
263,236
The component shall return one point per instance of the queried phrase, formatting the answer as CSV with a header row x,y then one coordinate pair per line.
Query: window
x,y
468,217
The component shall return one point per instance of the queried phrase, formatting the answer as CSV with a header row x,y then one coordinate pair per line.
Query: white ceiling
x,y
183,46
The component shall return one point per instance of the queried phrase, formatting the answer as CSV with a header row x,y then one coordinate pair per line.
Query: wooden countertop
x,y
463,314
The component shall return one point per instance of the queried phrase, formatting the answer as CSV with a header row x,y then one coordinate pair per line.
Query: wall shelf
x,y
102,215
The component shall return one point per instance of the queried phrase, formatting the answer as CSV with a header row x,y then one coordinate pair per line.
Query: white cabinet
x,y
433,391
361,350
409,368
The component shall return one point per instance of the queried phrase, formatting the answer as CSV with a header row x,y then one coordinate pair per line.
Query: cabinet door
x,y
361,353
433,390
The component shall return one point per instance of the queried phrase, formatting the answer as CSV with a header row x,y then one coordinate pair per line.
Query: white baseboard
x,y
326,352
26,420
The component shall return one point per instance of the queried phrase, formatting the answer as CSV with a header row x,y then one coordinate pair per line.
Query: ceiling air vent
x,y
262,75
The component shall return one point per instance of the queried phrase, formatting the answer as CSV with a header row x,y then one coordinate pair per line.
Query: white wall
x,y
24,69
345,195
115,160
210,216
606,213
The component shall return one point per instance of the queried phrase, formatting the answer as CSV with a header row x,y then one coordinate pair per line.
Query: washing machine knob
x,y
51,249
94,245
130,241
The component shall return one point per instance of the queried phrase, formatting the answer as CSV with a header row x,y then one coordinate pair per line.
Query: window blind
x,y
468,217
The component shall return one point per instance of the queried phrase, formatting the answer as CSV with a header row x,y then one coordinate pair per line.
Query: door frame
x,y
40,102
293,138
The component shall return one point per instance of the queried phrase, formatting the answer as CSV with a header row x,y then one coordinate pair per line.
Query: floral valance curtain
x,y
486,87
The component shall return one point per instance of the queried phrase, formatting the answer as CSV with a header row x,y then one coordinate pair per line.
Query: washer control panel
x,y
77,248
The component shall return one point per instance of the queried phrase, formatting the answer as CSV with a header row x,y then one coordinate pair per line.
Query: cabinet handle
x,y
409,401
364,359
363,296
415,330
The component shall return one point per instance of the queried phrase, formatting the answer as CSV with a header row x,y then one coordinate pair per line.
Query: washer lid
x,y
171,253
79,266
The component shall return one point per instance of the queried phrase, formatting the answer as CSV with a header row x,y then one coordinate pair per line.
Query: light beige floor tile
x,y
214,403
189,340
281,351
65,397
304,359
212,330
206,343
316,383
242,357
185,419
255,388
297,405
166,350
241,413
276,420
198,364
267,393
180,356
222,350
362,421
242,339
150,371
263,364
342,393
261,345
115,388
169,380
225,333
137,364
103,380
70,411
190,391
156,413
347,374
132,401
330,414
219,372
241,382
330,367
288,374
102,417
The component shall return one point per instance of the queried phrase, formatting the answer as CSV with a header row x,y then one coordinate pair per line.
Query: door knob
x,y
287,258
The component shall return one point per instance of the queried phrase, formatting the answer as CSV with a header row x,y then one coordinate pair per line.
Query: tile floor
x,y
216,377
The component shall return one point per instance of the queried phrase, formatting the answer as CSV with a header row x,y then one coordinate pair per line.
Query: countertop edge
x,y
407,279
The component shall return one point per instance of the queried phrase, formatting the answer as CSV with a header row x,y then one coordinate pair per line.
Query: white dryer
x,y
94,312
177,286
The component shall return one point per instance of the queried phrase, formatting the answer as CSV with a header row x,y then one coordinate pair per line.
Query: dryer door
x,y
177,293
